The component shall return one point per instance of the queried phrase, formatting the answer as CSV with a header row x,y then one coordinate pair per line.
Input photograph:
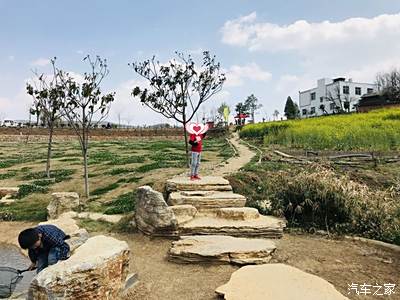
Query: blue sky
x,y
269,48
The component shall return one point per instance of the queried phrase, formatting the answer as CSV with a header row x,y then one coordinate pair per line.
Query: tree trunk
x,y
186,145
51,129
85,171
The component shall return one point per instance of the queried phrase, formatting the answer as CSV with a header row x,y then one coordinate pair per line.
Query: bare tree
x,y
48,100
389,84
83,102
323,109
341,101
275,114
177,90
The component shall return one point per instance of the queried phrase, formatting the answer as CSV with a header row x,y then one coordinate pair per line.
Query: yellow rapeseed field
x,y
375,130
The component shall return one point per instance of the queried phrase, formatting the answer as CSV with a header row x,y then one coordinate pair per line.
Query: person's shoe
x,y
192,178
196,177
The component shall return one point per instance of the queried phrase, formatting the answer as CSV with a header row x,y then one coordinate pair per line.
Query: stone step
x,y
221,250
206,183
263,226
207,199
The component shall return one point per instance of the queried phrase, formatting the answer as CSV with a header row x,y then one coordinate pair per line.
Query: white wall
x,y
326,86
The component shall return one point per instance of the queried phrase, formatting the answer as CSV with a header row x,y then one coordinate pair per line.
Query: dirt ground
x,y
341,262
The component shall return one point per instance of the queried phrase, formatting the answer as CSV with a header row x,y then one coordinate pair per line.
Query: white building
x,y
332,95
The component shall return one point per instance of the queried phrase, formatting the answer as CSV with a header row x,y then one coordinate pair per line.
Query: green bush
x,y
26,189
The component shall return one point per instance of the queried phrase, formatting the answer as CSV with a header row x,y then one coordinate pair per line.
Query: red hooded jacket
x,y
197,142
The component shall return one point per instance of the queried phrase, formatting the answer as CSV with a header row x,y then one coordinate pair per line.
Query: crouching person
x,y
46,245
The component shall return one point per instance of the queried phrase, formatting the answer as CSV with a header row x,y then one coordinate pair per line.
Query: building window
x,y
304,112
312,96
332,106
346,90
369,91
358,91
321,99
312,111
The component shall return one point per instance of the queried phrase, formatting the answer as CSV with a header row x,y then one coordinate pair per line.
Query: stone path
x,y
234,163
209,207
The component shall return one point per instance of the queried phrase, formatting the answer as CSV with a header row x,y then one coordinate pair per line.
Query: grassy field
x,y
374,131
116,168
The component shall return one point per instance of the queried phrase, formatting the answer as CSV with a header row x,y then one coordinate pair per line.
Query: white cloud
x,y
80,52
356,48
302,35
41,62
11,58
236,75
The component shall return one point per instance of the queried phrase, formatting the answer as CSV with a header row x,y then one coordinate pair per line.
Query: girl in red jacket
x,y
197,144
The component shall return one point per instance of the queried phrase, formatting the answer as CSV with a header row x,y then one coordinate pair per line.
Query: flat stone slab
x,y
264,226
184,213
221,249
207,199
277,282
238,213
206,183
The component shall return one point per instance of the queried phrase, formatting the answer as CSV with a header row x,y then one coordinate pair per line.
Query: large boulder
x,y
62,202
97,270
221,249
152,214
277,281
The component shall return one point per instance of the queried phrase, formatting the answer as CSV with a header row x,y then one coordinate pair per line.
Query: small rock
x,y
62,202
238,213
12,191
184,213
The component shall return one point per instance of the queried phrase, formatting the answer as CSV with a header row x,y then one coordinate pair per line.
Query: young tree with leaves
x,y
240,109
223,113
178,88
85,106
252,105
48,100
290,109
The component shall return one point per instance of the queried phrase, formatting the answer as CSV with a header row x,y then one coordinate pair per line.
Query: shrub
x,y
323,200
26,189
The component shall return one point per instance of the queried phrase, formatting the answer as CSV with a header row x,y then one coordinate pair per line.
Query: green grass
x,y
377,130
122,204
24,210
105,189
9,174
160,165
59,175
